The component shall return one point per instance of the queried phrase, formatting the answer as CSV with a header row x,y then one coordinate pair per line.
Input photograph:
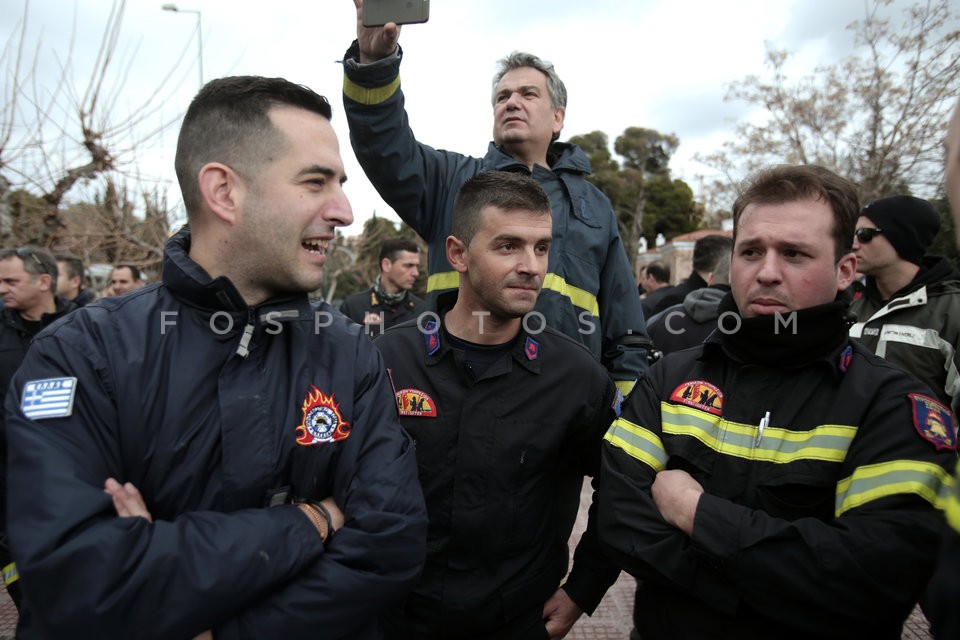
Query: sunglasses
x,y
866,234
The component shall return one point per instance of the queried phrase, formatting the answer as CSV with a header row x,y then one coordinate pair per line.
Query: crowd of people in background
x,y
217,455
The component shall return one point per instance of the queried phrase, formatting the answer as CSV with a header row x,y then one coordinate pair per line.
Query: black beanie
x,y
908,223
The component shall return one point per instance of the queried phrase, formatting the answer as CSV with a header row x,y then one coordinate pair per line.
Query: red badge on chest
x,y
699,394
413,402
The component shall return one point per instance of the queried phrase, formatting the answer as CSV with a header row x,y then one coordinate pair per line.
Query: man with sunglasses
x,y
909,308
28,284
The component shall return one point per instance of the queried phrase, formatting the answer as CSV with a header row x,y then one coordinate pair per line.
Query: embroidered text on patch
x,y
50,398
413,402
322,420
699,394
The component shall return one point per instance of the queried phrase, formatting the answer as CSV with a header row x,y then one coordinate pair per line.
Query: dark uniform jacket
x,y
366,308
918,328
823,524
589,292
502,461
941,603
15,337
689,323
214,410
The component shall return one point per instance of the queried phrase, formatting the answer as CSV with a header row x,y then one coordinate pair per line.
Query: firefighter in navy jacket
x,y
507,421
220,393
779,481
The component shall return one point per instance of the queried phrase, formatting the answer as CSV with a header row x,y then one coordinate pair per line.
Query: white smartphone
x,y
377,13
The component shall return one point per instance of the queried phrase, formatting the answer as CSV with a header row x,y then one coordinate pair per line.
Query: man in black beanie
x,y
909,310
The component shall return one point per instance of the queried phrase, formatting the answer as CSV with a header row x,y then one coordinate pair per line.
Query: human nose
x,y
531,262
513,101
769,271
338,211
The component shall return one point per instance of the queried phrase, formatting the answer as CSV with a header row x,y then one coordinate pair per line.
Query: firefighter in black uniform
x,y
390,300
779,481
508,417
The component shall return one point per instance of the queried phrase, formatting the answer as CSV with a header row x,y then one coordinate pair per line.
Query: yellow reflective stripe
x,y
625,386
952,505
443,281
579,297
828,443
10,574
553,282
638,442
874,481
369,96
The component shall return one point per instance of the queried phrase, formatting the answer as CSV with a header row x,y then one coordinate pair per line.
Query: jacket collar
x,y
188,281
562,156
63,307
525,350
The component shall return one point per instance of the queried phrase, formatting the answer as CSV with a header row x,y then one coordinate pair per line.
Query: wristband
x,y
325,513
320,517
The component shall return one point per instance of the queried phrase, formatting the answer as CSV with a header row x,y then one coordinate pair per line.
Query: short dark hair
x,y
708,250
228,121
501,189
134,271
36,262
393,247
74,265
659,271
789,183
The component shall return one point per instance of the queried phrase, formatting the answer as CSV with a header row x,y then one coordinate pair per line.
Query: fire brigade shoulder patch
x,y
934,422
322,420
531,348
431,337
846,357
413,402
699,394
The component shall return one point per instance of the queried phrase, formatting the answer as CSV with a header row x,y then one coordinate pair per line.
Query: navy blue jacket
x,y
215,411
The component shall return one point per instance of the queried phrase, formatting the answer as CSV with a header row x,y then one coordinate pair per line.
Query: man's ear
x,y
222,191
457,254
846,271
45,281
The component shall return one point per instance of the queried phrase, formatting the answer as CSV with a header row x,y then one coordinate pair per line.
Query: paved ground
x,y
611,620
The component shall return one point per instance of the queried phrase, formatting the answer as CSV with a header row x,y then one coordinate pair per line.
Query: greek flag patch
x,y
51,398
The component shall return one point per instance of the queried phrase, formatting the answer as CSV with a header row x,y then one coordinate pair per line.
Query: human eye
x,y
795,254
543,247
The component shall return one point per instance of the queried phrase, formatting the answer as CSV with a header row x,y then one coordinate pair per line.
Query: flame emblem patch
x,y
413,402
699,394
322,420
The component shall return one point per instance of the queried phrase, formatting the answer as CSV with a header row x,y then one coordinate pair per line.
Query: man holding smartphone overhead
x,y
589,292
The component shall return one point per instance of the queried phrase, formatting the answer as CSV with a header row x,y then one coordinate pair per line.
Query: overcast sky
x,y
662,65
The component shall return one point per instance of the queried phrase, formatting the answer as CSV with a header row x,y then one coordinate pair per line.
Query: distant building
x,y
677,253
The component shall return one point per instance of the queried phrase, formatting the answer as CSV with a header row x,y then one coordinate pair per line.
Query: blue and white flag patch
x,y
50,398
